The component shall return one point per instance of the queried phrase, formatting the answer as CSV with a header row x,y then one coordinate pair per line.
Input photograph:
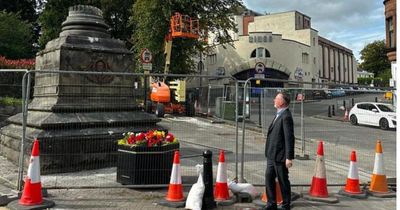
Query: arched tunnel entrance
x,y
268,73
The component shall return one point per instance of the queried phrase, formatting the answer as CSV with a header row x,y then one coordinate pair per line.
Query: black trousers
x,y
277,169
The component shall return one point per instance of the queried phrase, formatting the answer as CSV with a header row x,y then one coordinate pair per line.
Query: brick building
x,y
390,16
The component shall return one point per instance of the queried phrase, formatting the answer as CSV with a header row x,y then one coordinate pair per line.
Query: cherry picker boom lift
x,y
161,102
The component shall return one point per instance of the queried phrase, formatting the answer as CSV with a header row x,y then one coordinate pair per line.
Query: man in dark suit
x,y
279,151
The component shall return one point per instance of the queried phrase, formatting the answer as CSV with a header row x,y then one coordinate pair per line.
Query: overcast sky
x,y
351,23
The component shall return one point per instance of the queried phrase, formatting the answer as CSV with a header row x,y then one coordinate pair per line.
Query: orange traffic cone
x,y
352,188
175,190
32,193
279,199
379,186
221,192
174,196
346,115
319,190
221,186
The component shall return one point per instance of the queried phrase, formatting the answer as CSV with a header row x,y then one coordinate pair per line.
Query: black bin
x,y
145,165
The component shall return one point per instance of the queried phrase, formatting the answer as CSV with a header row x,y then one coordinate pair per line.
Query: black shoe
x,y
284,207
270,207
267,208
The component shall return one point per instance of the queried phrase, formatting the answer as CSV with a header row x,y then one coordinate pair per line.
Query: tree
x,y
25,8
115,12
15,36
54,13
148,22
374,58
151,24
28,11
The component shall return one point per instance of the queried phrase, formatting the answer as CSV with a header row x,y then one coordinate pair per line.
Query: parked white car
x,y
375,114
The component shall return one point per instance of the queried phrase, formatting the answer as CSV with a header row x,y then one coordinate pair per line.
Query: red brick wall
x,y
390,11
246,21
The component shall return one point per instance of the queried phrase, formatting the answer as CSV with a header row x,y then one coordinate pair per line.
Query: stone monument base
x,y
72,141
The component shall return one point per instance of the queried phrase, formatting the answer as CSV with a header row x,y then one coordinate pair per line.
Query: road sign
x,y
300,97
391,82
146,56
259,75
147,66
259,67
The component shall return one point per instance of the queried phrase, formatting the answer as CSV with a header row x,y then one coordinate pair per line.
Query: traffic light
x,y
179,87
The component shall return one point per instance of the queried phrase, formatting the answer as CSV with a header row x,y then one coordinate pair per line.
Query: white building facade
x,y
281,46
364,74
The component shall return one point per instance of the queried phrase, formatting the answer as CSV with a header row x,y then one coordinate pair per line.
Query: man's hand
x,y
288,163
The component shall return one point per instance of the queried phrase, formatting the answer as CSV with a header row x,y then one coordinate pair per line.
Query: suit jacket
x,y
280,138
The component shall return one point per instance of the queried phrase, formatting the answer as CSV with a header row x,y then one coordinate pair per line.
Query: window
x,y
260,39
260,53
366,106
306,23
267,55
313,41
371,107
385,108
315,60
390,32
253,54
298,23
212,59
305,58
362,106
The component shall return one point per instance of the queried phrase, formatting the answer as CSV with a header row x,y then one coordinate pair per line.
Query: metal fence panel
x,y
83,113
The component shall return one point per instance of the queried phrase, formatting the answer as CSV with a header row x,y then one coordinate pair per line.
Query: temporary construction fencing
x,y
104,111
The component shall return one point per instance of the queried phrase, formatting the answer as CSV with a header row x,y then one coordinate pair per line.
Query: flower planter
x,y
145,165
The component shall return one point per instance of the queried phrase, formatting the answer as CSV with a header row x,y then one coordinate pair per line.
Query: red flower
x,y
150,138
169,137
149,135
140,137
131,139
151,142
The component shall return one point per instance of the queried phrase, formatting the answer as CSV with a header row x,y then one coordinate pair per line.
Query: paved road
x,y
340,138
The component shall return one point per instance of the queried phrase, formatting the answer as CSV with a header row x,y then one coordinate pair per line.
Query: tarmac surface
x,y
127,198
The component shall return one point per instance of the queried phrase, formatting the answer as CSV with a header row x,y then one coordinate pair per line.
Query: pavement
x,y
134,198
125,198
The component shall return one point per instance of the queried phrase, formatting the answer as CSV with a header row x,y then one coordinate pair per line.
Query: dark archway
x,y
268,72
